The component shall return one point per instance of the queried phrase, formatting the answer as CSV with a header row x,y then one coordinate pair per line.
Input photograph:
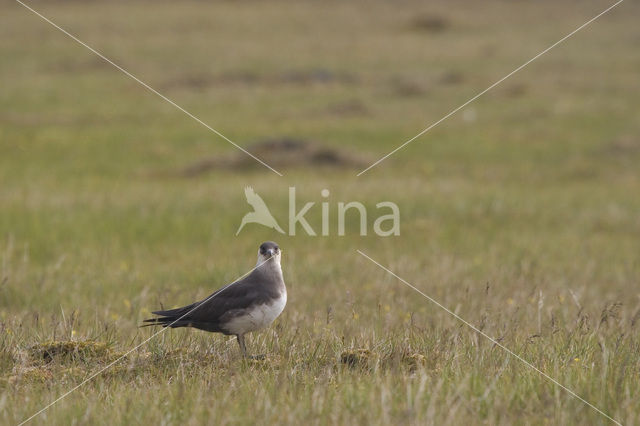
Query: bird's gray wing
x,y
226,302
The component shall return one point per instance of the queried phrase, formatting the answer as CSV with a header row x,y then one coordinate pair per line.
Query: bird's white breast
x,y
257,317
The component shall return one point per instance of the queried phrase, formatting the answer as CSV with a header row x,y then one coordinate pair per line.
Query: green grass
x,y
525,221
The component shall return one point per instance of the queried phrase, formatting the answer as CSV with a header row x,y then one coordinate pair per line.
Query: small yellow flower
x,y
73,333
127,303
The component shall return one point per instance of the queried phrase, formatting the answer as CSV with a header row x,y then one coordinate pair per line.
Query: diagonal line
x,y
144,342
492,86
494,341
146,86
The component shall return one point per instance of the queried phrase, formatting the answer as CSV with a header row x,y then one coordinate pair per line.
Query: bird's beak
x,y
271,252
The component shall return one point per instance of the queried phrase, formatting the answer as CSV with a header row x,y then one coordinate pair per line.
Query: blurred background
x,y
113,202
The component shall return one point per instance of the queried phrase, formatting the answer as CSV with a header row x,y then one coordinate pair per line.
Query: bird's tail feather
x,y
170,318
172,322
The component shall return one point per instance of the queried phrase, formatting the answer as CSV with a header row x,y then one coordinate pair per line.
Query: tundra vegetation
x,y
520,213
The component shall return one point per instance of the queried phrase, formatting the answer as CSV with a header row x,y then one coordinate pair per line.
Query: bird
x,y
260,213
248,304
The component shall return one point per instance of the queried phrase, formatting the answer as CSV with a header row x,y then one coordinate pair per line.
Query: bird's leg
x,y
243,348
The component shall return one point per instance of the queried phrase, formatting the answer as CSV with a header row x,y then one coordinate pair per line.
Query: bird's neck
x,y
272,269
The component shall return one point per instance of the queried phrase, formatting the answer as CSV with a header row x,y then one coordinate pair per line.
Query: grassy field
x,y
521,213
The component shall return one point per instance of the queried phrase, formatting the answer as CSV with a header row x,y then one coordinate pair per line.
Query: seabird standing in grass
x,y
246,305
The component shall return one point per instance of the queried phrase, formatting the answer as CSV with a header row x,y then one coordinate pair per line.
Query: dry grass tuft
x,y
357,357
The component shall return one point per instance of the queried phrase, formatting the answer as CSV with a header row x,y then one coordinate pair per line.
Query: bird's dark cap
x,y
264,247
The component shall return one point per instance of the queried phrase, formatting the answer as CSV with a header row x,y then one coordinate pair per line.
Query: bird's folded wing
x,y
225,302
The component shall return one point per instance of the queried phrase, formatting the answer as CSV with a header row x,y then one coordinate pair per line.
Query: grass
x,y
522,217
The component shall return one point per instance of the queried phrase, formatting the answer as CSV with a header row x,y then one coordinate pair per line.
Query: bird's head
x,y
269,251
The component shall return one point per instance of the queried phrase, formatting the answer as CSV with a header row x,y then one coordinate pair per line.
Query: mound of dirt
x,y
624,146
304,77
430,23
279,153
71,349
